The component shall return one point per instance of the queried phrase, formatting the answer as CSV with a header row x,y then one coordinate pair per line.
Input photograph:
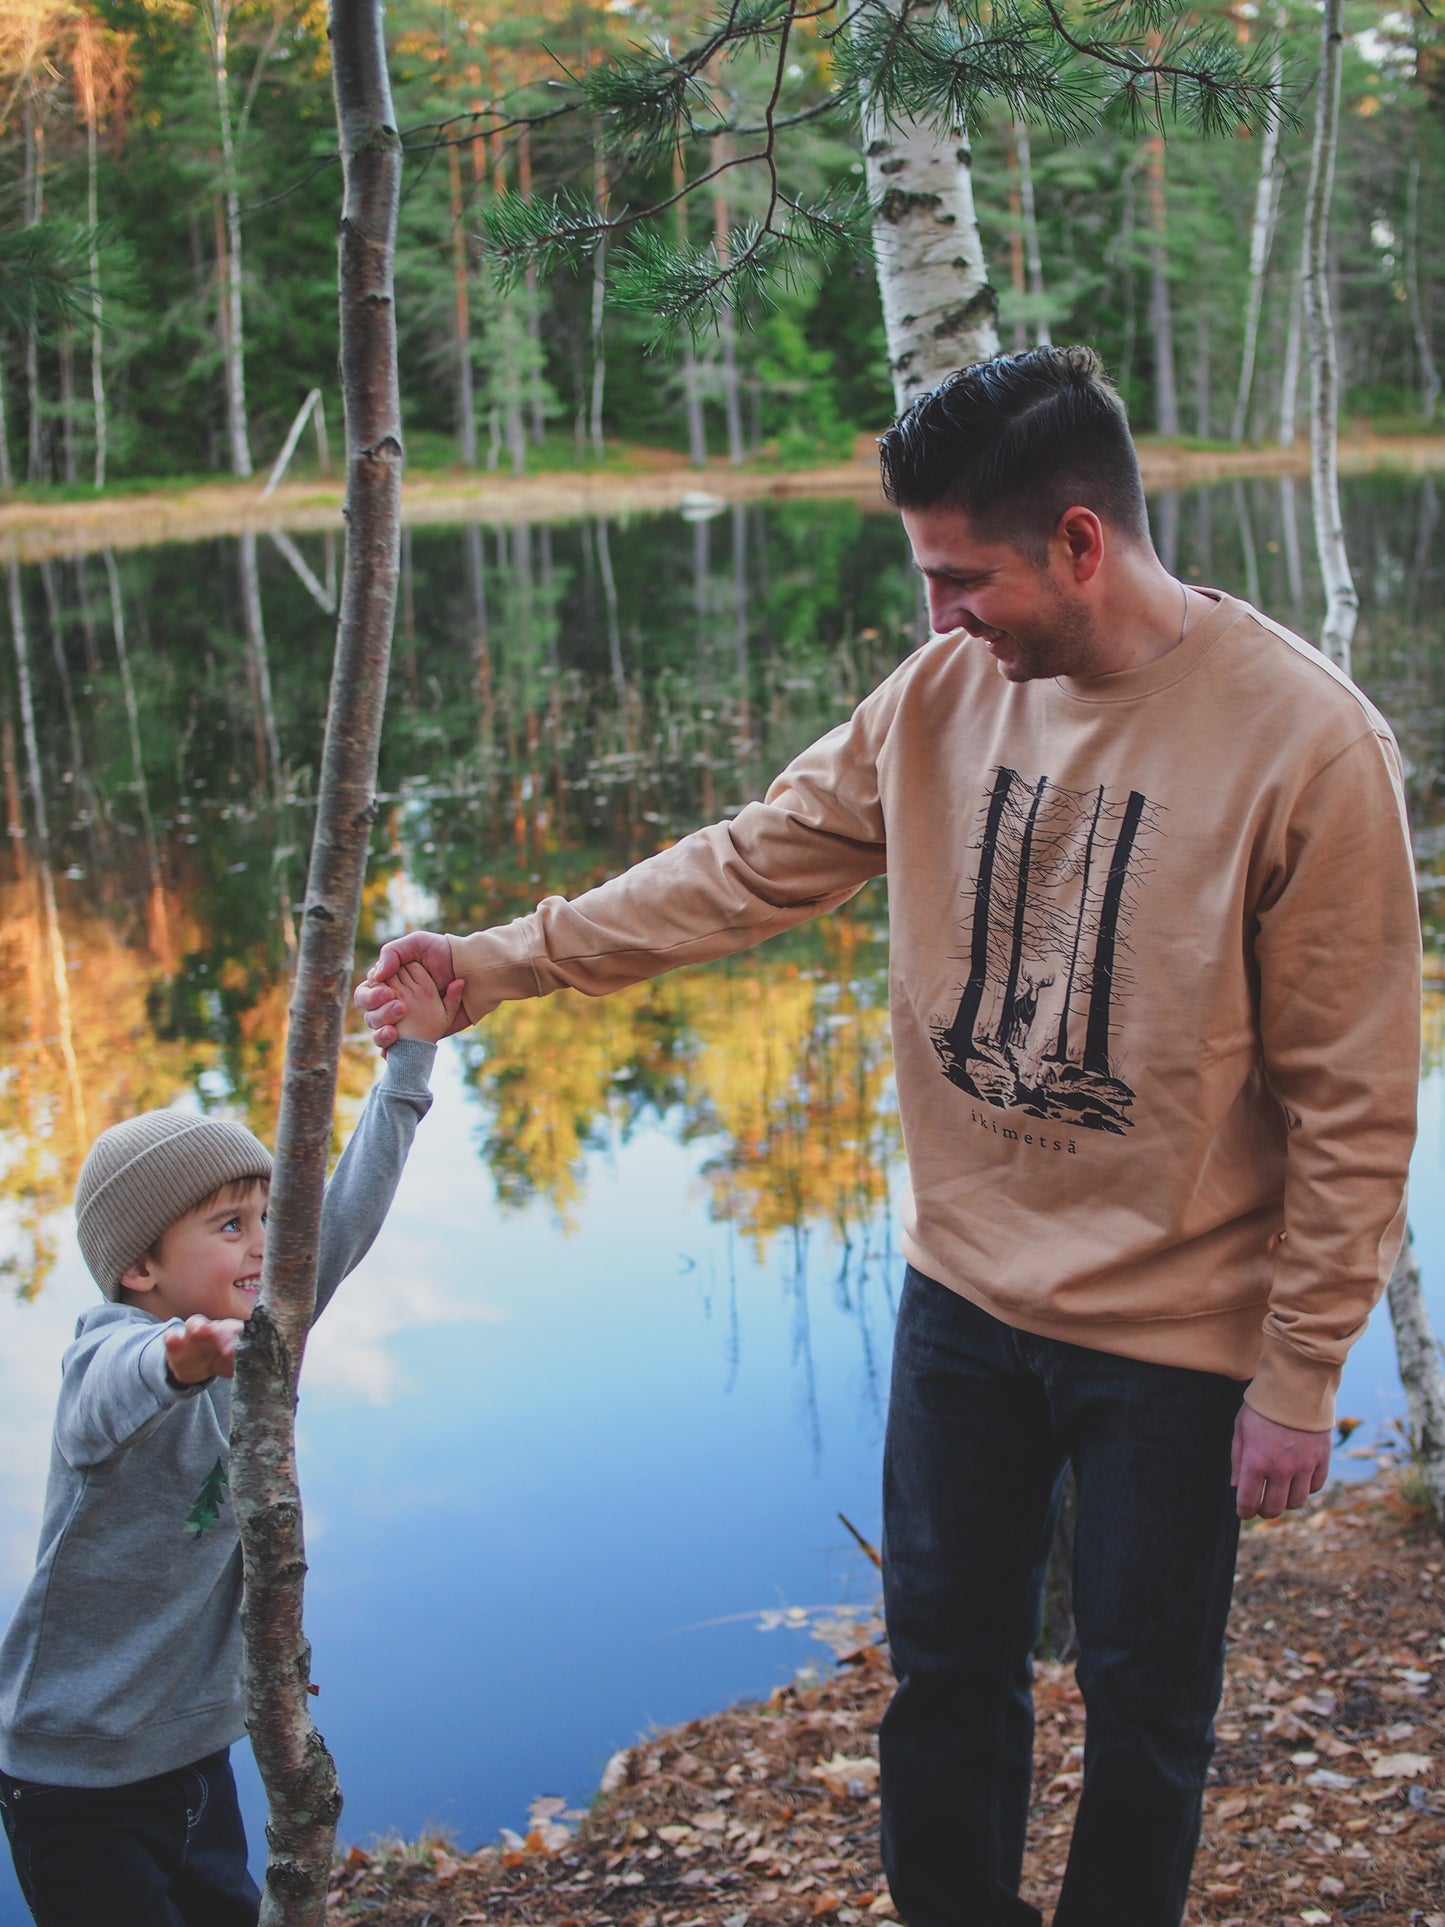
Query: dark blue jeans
x,y
982,1421
167,1852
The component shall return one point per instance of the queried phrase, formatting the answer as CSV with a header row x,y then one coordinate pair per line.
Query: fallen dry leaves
x,y
1327,1803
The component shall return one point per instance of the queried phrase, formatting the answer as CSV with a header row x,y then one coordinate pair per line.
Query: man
x,y
1155,1000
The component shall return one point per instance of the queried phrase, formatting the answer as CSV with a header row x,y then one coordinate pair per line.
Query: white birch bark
x,y
97,365
218,26
1261,238
1032,257
939,312
1421,1373
1289,375
1424,349
1342,601
1161,307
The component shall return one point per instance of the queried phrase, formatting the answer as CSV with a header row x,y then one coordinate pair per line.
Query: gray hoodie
x,y
123,1659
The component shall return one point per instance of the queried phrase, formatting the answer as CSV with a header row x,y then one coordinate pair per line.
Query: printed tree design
x,y
1052,901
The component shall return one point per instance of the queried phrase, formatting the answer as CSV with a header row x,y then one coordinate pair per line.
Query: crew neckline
x,y
1129,685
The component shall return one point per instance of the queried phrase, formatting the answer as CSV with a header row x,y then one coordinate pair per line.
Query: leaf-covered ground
x,y
1327,1802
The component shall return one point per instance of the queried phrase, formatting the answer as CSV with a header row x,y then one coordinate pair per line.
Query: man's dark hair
x,y
1015,441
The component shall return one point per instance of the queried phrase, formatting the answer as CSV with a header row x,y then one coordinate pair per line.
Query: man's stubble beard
x,y
1063,642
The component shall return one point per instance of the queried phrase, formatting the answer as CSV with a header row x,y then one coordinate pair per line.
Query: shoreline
x,y
1326,1800
660,481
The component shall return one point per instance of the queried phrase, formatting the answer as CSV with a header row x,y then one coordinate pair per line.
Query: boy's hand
x,y
425,1013
374,997
206,1348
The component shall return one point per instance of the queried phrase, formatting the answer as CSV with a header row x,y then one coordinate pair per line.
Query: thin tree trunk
x,y
1261,238
939,311
1289,377
1032,256
67,406
1424,349
1161,310
1016,250
727,321
466,406
1342,602
599,295
300,1778
218,22
1421,1373
33,192
538,357
97,363
691,388
7,473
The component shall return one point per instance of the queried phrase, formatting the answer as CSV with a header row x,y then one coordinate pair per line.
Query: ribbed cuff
x,y
1293,1390
409,1067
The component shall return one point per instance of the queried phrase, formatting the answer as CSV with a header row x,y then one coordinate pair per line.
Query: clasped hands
x,y
376,998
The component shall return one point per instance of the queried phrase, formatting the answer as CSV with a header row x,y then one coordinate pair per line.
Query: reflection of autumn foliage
x,y
786,1062
70,1073
1433,1012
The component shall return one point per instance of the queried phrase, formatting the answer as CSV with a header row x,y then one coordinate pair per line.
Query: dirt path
x,y
1326,1804
654,481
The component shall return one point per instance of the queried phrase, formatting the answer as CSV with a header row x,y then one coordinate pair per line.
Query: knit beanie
x,y
142,1175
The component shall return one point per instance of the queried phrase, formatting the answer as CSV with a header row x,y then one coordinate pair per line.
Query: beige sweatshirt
x,y
1155,985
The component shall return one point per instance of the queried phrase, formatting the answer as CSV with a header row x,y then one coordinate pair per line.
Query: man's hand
x,y
1274,1468
380,1006
206,1348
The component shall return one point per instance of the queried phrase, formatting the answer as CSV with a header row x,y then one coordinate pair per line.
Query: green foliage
x,y
44,277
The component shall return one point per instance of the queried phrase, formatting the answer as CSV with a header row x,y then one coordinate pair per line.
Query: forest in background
x,y
184,151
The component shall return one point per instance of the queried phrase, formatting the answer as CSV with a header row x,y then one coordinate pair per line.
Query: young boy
x,y
120,1674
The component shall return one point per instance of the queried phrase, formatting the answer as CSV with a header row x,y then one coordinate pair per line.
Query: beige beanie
x,y
142,1175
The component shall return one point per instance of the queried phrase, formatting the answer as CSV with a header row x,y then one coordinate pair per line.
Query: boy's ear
x,y
138,1277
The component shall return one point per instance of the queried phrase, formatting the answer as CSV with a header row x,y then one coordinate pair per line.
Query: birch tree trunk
x,y
97,366
1289,376
233,333
1032,256
1342,602
1161,311
722,229
939,312
1261,237
1419,325
1421,1373
461,305
300,1778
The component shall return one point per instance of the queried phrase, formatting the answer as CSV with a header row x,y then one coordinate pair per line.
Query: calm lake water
x,y
620,1356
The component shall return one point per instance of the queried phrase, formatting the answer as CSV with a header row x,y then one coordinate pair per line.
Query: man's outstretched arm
x,y
814,840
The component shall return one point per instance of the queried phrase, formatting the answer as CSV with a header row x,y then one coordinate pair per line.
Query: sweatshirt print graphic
x,y
1058,883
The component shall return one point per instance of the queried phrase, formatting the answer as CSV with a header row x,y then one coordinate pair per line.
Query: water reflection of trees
x,y
564,700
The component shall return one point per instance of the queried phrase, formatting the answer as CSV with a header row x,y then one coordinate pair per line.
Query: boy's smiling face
x,y
207,1263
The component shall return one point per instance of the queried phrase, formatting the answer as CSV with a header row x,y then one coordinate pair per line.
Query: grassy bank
x,y
37,524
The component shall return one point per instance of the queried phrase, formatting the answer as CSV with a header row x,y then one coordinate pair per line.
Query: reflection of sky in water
x,y
536,1465
540,1465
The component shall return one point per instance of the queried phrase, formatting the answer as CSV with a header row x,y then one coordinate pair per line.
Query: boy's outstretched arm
x,y
364,1182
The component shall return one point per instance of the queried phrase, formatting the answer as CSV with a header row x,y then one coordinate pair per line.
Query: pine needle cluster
x,y
940,64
